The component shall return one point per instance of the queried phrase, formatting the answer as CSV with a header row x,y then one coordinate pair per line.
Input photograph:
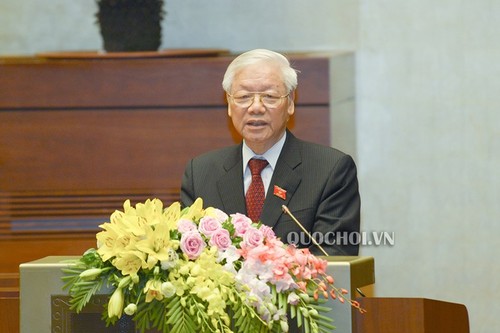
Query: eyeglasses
x,y
245,99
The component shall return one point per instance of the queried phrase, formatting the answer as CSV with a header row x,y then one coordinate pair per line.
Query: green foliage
x,y
183,314
79,289
151,315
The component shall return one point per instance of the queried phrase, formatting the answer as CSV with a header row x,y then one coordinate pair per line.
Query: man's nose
x,y
257,105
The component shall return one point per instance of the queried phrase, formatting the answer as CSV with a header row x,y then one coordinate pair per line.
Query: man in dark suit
x,y
318,184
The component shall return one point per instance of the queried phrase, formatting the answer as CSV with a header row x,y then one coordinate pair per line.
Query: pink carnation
x,y
192,244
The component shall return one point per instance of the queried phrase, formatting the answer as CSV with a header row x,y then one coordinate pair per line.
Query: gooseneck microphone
x,y
287,211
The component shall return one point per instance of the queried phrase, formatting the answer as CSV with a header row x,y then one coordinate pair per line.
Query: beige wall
x,y
429,148
427,138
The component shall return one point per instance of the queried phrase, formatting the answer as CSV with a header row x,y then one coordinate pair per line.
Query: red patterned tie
x,y
255,193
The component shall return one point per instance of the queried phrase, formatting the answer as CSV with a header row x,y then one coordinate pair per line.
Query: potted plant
x,y
130,25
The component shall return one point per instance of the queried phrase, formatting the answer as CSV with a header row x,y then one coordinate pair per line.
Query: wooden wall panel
x,y
117,149
178,82
9,314
17,250
91,149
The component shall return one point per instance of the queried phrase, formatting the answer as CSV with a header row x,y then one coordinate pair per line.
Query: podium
x,y
410,315
349,273
44,308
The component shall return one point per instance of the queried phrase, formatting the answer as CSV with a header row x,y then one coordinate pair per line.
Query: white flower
x,y
217,214
167,289
230,255
173,257
130,309
293,298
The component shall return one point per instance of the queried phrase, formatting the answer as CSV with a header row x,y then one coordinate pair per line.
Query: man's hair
x,y
254,56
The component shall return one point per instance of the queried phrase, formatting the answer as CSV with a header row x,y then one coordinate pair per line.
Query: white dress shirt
x,y
271,156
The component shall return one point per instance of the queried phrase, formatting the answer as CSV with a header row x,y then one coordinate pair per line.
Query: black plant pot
x,y
130,25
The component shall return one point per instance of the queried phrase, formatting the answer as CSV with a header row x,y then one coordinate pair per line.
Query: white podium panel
x,y
349,273
43,307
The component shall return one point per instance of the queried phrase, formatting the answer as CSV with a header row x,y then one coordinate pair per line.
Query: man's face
x,y
260,126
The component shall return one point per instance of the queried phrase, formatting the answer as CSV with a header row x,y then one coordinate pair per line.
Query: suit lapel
x,y
230,185
285,177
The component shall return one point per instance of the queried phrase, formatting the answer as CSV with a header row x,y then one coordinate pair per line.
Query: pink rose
x,y
208,225
241,223
267,231
221,239
252,238
192,244
185,225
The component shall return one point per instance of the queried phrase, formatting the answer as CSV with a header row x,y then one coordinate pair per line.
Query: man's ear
x,y
291,104
229,112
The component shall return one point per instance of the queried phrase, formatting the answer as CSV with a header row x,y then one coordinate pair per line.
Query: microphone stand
x,y
287,211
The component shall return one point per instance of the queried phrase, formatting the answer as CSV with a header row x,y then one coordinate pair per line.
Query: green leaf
x,y
81,293
293,311
306,325
321,308
299,317
150,315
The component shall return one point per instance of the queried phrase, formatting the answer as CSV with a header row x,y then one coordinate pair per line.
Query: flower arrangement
x,y
200,270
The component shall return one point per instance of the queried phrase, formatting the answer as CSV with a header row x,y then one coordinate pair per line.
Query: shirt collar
x,y
271,155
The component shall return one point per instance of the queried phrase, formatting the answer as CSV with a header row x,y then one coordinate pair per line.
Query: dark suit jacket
x,y
321,192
